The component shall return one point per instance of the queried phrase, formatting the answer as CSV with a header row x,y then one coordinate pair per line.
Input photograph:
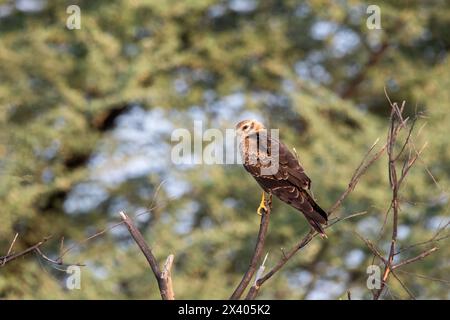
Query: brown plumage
x,y
289,182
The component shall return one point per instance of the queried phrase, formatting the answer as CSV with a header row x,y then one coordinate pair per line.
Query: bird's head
x,y
249,127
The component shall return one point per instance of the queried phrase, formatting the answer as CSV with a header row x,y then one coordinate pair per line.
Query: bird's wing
x,y
267,154
290,165
297,198
289,183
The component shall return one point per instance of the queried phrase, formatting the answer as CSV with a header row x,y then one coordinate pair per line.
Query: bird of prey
x,y
289,182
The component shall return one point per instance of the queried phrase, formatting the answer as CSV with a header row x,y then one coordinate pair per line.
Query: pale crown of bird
x,y
249,127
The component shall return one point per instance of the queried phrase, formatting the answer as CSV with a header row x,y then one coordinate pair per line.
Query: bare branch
x,y
61,250
263,227
357,214
10,247
254,289
105,230
411,162
285,258
362,168
372,248
411,295
166,274
434,239
397,123
57,261
11,257
162,279
419,257
443,281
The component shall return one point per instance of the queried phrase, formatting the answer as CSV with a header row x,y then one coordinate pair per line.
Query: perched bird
x,y
288,181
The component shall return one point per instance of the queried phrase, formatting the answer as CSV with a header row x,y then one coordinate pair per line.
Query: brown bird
x,y
278,172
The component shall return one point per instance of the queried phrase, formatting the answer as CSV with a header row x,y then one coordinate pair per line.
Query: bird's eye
x,y
245,127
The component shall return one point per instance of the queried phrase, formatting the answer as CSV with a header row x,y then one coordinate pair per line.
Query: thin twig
x,y
419,257
411,295
57,262
11,257
397,123
339,219
285,258
10,247
372,248
61,250
105,230
443,281
360,170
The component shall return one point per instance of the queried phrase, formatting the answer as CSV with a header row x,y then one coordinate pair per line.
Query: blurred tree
x,y
86,117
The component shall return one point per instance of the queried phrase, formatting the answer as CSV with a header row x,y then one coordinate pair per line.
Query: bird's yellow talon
x,y
262,205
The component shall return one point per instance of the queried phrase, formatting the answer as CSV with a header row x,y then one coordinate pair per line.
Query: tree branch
x,y
360,170
397,123
419,257
163,278
166,274
285,258
263,227
10,257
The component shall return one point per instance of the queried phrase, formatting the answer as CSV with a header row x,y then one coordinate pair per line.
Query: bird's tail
x,y
318,218
318,227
